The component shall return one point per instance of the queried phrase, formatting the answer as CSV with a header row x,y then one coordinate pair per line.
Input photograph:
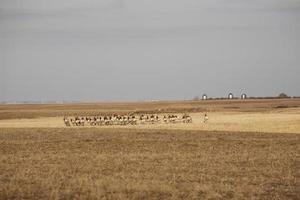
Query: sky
x,y
132,50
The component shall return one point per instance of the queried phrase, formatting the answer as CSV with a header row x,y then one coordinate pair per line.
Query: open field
x,y
282,121
280,116
54,110
147,164
247,150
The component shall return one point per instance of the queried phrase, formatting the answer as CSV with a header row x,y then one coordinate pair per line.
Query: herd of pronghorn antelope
x,y
126,119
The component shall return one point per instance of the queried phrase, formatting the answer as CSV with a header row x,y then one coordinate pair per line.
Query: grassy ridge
x,y
53,110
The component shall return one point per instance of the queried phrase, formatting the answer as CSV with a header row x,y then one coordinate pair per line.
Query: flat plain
x,y
247,150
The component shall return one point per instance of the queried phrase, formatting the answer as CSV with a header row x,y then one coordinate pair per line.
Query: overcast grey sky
x,y
147,49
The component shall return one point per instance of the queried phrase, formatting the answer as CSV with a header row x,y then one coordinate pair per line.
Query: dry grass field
x,y
54,110
247,150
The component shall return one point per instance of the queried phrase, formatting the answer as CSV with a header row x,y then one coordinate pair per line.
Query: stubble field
x,y
220,160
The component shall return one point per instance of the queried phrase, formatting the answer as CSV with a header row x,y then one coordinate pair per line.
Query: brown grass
x,y
91,163
54,110
240,161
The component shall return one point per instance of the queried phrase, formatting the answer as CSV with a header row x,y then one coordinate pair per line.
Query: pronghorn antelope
x,y
133,120
67,122
154,119
205,118
186,118
143,119
173,118
130,119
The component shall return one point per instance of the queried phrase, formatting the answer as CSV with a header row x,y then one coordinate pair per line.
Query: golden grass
x,y
285,121
147,164
247,150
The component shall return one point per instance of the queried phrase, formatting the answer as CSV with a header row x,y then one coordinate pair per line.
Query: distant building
x,y
244,96
204,97
230,96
